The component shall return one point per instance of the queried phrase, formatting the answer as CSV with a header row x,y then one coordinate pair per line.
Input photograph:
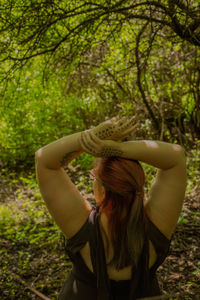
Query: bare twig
x,y
19,279
139,83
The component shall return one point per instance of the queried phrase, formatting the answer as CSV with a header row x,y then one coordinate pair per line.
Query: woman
x,y
117,245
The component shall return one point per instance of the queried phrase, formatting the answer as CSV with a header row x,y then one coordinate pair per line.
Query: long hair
x,y
124,181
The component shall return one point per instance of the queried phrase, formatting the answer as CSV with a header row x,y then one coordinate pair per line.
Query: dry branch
x,y
19,279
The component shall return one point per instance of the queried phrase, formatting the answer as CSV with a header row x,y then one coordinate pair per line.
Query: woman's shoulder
x,y
159,243
155,227
83,231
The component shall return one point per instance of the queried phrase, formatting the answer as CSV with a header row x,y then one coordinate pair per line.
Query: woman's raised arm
x,y
165,200
159,154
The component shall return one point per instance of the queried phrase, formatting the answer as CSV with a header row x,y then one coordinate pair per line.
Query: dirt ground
x,y
180,273
26,270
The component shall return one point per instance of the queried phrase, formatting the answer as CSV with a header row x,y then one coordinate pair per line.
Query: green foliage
x,y
95,64
86,161
30,222
150,173
183,218
32,116
193,169
98,72
28,225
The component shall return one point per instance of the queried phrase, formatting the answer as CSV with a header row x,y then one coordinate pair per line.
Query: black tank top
x,y
82,284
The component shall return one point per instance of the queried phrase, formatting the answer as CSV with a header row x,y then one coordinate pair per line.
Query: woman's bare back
x,y
113,274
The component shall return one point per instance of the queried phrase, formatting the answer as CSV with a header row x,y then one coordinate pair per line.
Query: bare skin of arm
x,y
165,201
61,196
59,153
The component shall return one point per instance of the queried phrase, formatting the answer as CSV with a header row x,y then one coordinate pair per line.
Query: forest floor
x,y
32,257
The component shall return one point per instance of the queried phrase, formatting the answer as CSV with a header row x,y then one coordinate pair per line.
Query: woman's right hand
x,y
92,145
116,128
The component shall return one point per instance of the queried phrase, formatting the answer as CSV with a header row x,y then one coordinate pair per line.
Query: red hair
x,y
124,181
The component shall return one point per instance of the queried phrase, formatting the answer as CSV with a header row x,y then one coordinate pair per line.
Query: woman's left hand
x,y
91,144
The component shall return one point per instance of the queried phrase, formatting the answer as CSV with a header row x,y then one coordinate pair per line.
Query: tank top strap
x,y
76,243
90,232
160,242
99,260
